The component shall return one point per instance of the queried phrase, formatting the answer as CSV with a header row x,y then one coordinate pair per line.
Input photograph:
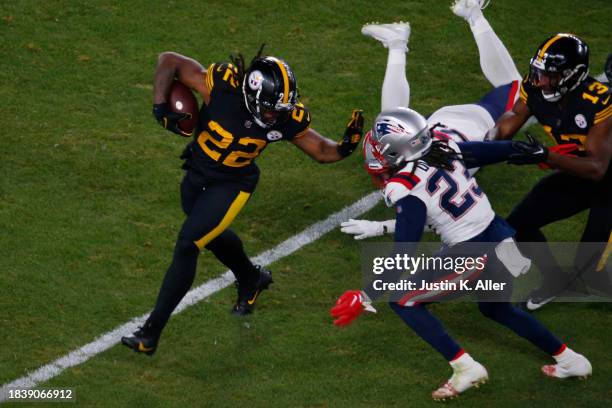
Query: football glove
x,y
608,68
168,119
564,150
349,306
352,134
365,229
529,152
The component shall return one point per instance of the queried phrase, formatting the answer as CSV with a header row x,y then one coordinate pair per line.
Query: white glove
x,y
366,229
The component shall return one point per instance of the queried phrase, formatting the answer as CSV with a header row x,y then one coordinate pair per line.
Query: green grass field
x,y
89,207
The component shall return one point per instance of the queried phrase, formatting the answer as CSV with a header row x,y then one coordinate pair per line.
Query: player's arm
x,y
510,122
190,72
318,147
598,153
171,65
362,229
480,154
410,219
410,223
325,150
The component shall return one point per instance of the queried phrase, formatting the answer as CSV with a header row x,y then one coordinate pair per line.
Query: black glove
x,y
352,134
168,119
530,152
608,68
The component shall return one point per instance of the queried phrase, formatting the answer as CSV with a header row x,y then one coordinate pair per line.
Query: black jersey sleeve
x,y
298,122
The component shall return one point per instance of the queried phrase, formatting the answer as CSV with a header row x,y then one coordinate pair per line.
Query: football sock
x,y
176,284
429,328
495,61
395,88
565,355
523,324
227,247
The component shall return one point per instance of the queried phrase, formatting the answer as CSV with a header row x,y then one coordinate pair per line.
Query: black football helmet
x,y
564,60
270,90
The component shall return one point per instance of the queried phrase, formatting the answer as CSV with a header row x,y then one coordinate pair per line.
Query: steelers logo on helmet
x,y
255,80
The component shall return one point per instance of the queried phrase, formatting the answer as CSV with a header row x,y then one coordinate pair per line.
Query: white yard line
x,y
111,338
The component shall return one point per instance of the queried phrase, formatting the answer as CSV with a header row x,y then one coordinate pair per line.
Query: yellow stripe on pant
x,y
606,254
229,216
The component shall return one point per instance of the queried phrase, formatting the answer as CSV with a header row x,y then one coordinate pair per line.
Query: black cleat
x,y
141,342
247,296
549,292
534,303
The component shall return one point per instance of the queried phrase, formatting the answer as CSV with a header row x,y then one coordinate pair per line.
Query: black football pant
x,y
556,197
210,209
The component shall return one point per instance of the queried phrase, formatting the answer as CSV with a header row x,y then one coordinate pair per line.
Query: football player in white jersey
x,y
427,183
468,122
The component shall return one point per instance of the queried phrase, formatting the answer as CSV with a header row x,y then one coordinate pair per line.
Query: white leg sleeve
x,y
395,89
495,60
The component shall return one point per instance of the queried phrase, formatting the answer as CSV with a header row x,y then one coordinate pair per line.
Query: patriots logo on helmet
x,y
385,128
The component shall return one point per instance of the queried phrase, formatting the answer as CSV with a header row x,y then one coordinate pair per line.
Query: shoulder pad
x,y
222,76
603,106
400,186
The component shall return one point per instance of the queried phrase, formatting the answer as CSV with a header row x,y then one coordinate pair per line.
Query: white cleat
x,y
467,8
571,364
465,376
390,35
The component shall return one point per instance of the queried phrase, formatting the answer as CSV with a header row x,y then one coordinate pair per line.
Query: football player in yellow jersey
x,y
243,110
573,108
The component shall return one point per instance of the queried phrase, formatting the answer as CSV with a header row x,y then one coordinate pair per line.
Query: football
x,y
182,100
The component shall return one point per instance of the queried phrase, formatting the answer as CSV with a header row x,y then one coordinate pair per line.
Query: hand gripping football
x,y
182,100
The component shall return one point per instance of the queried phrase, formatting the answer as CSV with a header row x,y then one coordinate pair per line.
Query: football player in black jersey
x,y
572,108
243,110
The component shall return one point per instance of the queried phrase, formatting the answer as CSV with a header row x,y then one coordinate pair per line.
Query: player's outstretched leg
x,y
569,363
250,279
495,60
394,36
467,372
469,9
177,281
